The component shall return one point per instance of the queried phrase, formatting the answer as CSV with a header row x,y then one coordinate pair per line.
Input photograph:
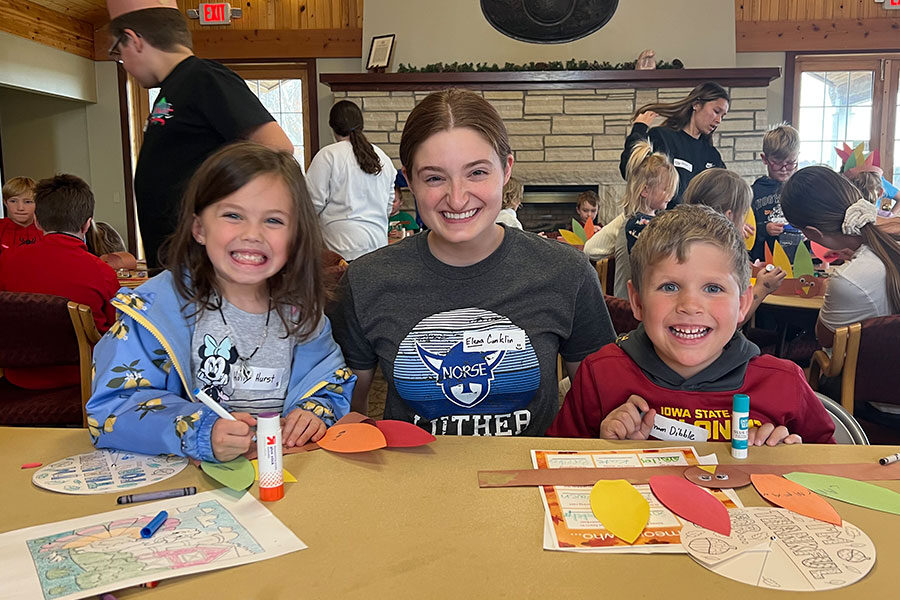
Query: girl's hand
x,y
301,426
768,281
626,422
230,439
770,435
747,230
646,118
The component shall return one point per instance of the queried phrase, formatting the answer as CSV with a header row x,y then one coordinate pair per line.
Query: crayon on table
x,y
160,495
155,524
31,465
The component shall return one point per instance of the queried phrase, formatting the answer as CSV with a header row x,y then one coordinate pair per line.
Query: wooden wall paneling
x,y
45,26
278,43
834,35
304,14
345,13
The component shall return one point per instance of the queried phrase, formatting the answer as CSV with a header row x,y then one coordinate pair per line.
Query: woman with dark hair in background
x,y
685,135
351,183
832,212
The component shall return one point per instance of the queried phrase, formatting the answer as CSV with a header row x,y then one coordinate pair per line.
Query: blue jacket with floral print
x,y
141,397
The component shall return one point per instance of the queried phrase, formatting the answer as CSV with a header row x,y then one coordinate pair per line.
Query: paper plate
x,y
777,549
105,471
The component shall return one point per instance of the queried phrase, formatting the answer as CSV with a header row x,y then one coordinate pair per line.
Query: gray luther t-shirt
x,y
255,385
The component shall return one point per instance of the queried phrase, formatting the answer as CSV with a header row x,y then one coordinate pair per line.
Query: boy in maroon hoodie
x,y
686,360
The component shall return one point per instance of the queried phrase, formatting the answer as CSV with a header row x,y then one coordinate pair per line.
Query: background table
x,y
413,523
813,303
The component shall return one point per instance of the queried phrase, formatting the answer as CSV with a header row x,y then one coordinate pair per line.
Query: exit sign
x,y
218,13
895,4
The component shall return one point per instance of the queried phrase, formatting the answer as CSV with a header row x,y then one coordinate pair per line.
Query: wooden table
x,y
413,523
813,303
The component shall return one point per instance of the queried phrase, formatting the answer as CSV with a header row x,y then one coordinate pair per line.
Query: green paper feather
x,y
578,230
803,264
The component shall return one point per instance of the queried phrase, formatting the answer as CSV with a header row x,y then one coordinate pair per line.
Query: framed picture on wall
x,y
380,52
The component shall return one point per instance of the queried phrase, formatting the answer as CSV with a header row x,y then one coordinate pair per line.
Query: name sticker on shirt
x,y
668,429
683,164
493,340
258,378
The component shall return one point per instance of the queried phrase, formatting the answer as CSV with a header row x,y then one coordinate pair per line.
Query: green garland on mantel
x,y
554,65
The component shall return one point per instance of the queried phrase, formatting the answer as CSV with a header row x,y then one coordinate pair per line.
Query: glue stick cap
x,y
270,494
741,403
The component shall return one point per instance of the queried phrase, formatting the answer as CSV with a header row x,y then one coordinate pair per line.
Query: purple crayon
x,y
160,495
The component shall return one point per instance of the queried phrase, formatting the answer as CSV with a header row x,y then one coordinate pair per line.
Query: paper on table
x,y
104,471
775,548
667,429
620,508
236,474
88,556
692,503
401,434
352,437
850,491
570,525
794,497
288,477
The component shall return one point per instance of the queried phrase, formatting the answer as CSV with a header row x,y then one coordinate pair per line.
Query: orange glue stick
x,y
269,455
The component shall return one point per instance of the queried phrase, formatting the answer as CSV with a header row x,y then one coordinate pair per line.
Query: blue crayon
x,y
155,524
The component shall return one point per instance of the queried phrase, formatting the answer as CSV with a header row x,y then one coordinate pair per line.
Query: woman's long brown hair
x,y
300,284
818,197
678,114
347,121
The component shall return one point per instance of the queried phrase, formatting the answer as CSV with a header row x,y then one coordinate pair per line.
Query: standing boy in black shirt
x,y
201,107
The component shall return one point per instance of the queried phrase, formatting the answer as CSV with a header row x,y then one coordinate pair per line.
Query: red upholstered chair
x,y
36,331
864,355
620,313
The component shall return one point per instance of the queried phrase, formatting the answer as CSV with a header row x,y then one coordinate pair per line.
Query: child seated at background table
x,y
588,203
60,264
513,193
728,194
18,228
781,147
690,289
238,314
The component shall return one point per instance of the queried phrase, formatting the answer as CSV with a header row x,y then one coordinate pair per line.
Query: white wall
x,y
325,97
59,113
35,67
699,32
775,93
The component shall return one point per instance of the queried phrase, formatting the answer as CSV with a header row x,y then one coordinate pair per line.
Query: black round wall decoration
x,y
548,21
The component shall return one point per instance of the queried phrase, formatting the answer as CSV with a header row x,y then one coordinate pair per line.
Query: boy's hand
x,y
770,435
626,422
301,426
230,439
768,281
646,118
774,229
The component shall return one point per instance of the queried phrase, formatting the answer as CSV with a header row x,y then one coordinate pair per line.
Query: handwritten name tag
x,y
493,340
258,378
667,429
683,164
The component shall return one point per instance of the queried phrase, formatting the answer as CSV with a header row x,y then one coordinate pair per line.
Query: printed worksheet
x,y
569,523
91,555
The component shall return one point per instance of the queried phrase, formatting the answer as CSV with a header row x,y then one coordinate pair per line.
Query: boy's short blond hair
x,y
588,197
513,192
781,141
18,186
673,232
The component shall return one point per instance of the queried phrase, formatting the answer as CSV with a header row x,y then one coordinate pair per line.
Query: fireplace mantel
x,y
550,80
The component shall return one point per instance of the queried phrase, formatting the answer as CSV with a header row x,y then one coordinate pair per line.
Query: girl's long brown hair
x,y
347,121
818,197
300,284
678,114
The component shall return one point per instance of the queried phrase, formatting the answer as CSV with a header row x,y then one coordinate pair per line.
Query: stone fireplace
x,y
567,128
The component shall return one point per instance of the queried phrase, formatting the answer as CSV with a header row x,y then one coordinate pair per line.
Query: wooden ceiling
x,y
91,11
